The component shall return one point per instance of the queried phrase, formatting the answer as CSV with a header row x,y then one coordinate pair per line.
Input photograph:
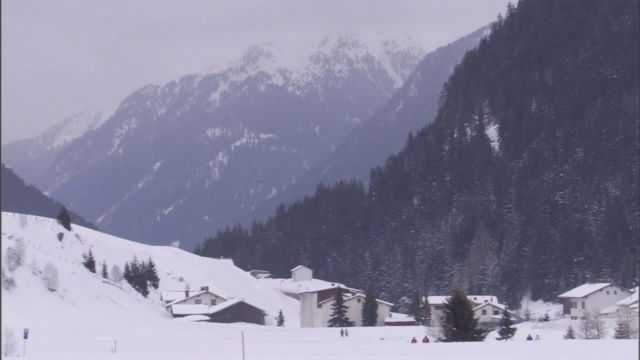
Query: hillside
x,y
526,182
82,294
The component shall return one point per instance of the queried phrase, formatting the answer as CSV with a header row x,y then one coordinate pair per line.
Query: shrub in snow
x,y
116,274
23,220
64,219
15,255
50,276
9,343
8,283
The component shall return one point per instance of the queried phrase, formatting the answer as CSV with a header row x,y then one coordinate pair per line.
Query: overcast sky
x,y
60,57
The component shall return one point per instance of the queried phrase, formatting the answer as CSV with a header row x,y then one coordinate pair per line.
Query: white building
x,y
589,298
316,297
436,304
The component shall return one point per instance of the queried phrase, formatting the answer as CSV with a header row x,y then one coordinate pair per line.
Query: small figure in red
x,y
425,339
413,341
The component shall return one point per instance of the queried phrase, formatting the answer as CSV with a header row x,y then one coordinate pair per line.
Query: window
x,y
574,305
583,304
607,292
615,292
359,300
484,312
213,301
198,301
496,312
574,318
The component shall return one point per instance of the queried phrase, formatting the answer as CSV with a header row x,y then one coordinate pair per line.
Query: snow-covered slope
x,y
82,294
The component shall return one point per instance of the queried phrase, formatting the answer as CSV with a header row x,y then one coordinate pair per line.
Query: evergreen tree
x,y
622,329
127,273
570,334
89,261
418,310
370,308
459,324
64,219
339,311
427,310
105,272
507,330
280,319
151,274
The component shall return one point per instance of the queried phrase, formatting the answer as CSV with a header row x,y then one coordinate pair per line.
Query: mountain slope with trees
x,y
526,182
18,197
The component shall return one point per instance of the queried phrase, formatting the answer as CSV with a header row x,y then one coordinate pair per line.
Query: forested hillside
x,y
526,181
18,197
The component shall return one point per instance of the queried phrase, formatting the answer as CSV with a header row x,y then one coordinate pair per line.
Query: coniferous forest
x,y
527,180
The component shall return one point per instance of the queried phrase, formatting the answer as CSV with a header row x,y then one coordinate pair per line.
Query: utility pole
x,y
242,333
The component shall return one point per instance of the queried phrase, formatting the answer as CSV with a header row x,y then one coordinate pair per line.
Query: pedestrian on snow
x,y
346,332
529,337
537,337
425,339
342,332
413,341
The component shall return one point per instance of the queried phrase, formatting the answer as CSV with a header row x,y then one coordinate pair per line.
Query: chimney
x,y
186,293
204,288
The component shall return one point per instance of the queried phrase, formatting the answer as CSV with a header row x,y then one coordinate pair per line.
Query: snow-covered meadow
x,y
89,318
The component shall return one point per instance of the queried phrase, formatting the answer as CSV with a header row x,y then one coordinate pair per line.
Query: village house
x,y
489,315
316,297
591,297
436,304
211,307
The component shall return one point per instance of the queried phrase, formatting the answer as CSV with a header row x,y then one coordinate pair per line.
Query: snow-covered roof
x,y
360,295
499,306
299,267
584,290
609,310
192,295
202,309
633,299
478,299
288,286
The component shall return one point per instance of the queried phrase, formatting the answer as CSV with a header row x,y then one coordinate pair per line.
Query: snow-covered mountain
x,y
202,152
32,157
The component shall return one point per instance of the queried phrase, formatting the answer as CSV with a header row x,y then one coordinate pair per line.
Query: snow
x,y
92,318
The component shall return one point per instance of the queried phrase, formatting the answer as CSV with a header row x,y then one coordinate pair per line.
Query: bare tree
x,y
8,283
23,220
50,276
593,325
116,274
9,343
16,255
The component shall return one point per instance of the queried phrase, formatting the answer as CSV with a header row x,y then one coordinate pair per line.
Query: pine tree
x,y
622,329
105,272
127,273
280,319
507,330
339,311
151,274
417,309
459,324
64,219
89,261
570,334
370,309
427,310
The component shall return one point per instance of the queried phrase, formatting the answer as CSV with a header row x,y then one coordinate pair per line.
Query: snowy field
x,y
91,318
